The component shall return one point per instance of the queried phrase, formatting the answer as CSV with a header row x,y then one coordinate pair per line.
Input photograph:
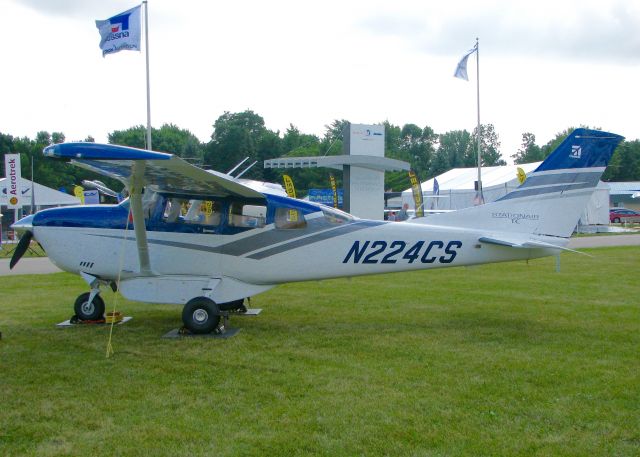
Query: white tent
x,y
457,190
457,186
44,196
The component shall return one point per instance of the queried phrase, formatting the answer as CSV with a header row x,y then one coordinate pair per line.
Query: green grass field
x,y
508,359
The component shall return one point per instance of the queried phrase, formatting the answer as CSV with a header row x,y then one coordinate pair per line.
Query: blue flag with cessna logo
x,y
120,32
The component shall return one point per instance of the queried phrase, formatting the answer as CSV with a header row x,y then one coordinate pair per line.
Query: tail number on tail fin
x,y
373,252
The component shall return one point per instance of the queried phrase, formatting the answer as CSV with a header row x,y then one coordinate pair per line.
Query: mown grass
x,y
35,250
508,359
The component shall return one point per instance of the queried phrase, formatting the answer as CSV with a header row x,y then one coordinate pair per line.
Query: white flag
x,y
120,32
461,70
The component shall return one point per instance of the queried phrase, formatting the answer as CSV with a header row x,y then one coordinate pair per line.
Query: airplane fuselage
x,y
287,241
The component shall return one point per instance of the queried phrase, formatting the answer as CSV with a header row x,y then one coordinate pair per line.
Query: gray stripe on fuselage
x,y
175,244
274,236
322,236
553,183
562,178
298,238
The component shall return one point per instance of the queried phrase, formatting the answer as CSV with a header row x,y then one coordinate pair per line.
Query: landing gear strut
x,y
236,306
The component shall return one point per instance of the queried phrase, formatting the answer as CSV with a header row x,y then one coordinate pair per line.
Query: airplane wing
x,y
165,173
528,244
138,168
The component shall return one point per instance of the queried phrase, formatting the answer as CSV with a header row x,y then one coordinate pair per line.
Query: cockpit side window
x,y
200,212
203,212
289,218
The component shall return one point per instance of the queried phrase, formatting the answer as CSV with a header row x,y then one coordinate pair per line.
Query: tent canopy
x,y
465,178
457,186
44,196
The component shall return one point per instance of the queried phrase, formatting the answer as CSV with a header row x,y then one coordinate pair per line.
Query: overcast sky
x,y
544,65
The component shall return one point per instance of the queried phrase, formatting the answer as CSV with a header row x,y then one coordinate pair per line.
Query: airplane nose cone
x,y
25,227
26,223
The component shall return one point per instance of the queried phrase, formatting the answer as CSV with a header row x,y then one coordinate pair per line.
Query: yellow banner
x,y
78,191
522,176
291,192
334,188
416,188
208,208
288,186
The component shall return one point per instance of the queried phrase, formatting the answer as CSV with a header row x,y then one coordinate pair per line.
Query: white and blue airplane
x,y
208,241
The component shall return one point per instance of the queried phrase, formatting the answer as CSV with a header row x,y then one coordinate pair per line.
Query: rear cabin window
x,y
289,218
250,216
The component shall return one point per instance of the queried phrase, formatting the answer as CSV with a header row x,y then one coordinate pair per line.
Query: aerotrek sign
x,y
13,174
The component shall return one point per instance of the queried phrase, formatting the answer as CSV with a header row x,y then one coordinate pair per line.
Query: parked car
x,y
623,215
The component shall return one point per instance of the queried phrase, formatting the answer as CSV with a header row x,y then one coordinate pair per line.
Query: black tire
x,y
89,312
201,315
616,220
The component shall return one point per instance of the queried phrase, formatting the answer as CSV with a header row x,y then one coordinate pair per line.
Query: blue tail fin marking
x,y
583,148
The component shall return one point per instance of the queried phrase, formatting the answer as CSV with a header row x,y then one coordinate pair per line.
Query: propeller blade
x,y
21,248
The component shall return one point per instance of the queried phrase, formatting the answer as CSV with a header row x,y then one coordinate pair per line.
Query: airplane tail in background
x,y
551,200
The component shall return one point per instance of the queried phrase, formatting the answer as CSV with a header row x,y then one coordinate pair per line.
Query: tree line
x,y
244,134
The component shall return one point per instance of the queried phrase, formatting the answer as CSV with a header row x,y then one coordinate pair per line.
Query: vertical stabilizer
x,y
550,201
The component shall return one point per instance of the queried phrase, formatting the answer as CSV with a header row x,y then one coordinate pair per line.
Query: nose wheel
x,y
89,307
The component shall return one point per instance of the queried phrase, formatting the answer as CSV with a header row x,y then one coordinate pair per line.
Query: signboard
x,y
364,186
324,196
366,140
91,197
13,174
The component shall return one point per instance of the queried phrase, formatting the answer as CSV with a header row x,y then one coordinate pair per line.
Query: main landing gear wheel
x,y
86,311
201,315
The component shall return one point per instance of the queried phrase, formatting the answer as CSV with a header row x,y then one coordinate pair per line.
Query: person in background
x,y
402,214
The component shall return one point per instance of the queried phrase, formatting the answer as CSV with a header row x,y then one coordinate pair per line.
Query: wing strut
x,y
136,185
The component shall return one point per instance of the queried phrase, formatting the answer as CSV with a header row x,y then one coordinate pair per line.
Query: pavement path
x,y
29,266
42,265
601,241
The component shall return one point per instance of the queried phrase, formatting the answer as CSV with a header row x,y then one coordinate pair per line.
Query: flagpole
x,y
480,193
146,37
33,192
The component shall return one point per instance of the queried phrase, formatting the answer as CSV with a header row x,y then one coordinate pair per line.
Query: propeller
x,y
21,248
